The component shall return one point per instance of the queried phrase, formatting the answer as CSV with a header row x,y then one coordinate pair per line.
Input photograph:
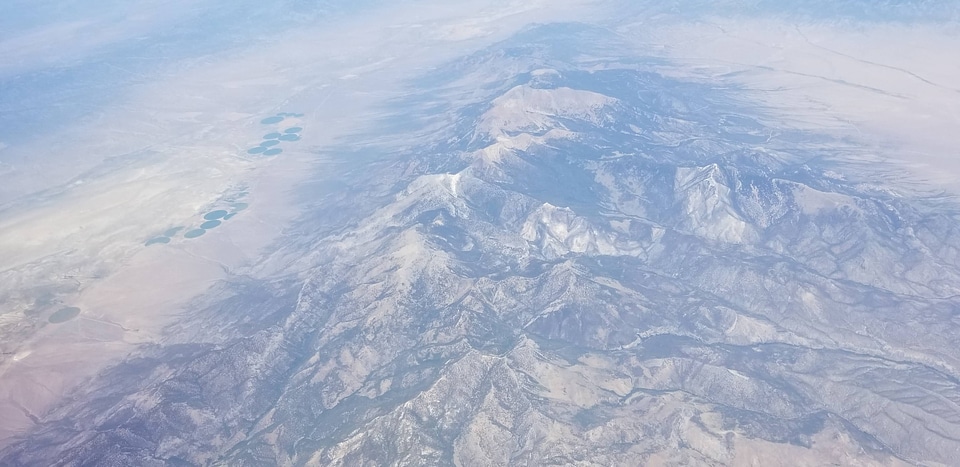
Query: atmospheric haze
x,y
486,232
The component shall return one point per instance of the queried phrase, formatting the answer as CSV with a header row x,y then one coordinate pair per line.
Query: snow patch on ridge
x,y
706,202
524,109
558,231
524,117
506,145
812,202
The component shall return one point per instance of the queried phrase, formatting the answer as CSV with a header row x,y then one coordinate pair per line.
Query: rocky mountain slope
x,y
577,261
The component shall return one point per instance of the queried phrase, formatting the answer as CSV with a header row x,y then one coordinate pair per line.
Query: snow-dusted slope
x,y
653,287
536,110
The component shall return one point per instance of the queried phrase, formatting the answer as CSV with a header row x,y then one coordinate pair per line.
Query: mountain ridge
x,y
597,296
